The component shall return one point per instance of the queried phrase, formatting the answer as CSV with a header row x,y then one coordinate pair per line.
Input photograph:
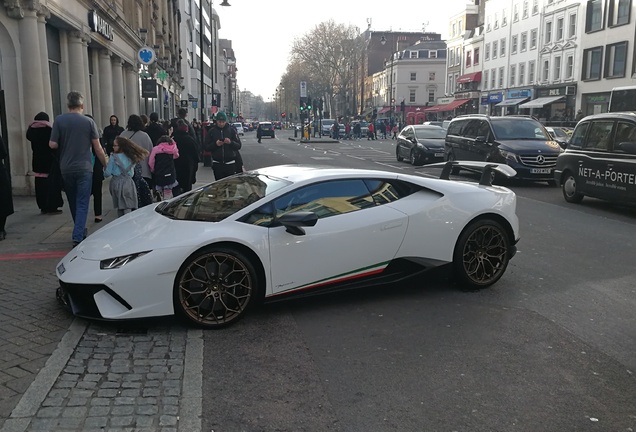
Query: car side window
x,y
455,127
387,191
625,132
599,136
483,129
326,199
578,136
471,129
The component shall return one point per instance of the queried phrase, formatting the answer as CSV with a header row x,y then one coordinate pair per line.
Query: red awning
x,y
433,108
384,110
451,106
471,77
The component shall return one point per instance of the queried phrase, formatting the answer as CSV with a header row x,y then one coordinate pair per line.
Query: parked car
x,y
265,129
600,160
239,128
326,125
253,236
559,135
519,141
420,144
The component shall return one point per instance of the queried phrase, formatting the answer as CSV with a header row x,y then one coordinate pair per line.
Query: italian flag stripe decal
x,y
356,274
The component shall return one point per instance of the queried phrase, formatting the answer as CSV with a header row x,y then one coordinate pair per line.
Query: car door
x,y
469,133
454,139
620,171
595,157
404,141
354,236
481,149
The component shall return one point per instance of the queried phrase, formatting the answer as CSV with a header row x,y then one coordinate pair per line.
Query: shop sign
x,y
444,101
597,99
467,95
99,25
184,103
495,97
519,94
484,100
149,88
557,91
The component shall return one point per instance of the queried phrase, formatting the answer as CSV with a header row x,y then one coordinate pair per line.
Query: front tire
x,y
481,254
215,287
570,192
450,158
415,159
398,156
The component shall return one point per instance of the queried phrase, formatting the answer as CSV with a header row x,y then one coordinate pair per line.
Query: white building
x,y
607,58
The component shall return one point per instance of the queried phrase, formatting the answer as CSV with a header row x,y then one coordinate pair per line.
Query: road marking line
x,y
32,255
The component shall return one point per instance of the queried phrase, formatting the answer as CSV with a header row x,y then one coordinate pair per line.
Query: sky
x,y
262,31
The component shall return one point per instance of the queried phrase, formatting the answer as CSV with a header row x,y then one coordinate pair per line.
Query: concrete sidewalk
x,y
60,373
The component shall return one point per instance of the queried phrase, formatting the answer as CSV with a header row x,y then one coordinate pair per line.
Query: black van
x,y
600,160
519,141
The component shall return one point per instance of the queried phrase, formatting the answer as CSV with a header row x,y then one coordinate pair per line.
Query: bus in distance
x,y
623,99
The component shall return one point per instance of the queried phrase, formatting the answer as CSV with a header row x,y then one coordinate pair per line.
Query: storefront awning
x,y
454,104
471,77
433,108
384,110
541,102
511,102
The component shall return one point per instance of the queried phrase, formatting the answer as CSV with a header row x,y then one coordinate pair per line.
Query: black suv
x,y
600,160
265,129
519,141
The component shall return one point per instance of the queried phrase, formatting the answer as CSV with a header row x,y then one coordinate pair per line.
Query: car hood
x,y
139,231
530,146
432,143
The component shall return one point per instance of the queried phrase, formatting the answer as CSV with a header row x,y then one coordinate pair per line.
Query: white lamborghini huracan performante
x,y
291,230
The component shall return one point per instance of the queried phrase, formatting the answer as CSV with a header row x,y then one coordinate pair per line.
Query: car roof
x,y
300,172
266,123
428,126
625,115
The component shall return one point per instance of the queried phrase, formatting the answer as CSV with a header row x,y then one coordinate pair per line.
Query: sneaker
x,y
75,243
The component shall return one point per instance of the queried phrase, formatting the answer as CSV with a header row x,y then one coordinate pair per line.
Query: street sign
x,y
194,104
162,75
303,89
184,103
149,88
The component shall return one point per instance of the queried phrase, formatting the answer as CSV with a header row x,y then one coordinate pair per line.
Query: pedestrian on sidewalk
x,y
121,166
188,162
223,141
6,196
74,134
163,169
155,130
48,194
395,131
111,132
142,176
371,132
98,180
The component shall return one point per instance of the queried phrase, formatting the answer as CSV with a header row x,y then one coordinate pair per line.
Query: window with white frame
x,y
495,49
515,13
504,18
451,58
531,71
559,29
486,80
513,76
496,20
592,63
572,26
594,16
535,7
460,27
413,76
545,75
411,95
619,12
431,76
488,25
431,95
533,39
569,67
557,68
522,74
501,77
413,54
524,41
454,29
525,9
615,60
493,78
469,58
513,44
548,32
450,84
487,51
476,56
432,54
502,50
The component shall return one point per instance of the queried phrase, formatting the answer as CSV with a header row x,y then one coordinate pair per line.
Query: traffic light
x,y
309,104
282,115
402,105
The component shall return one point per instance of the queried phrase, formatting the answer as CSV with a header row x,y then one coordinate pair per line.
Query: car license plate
x,y
439,154
61,269
541,170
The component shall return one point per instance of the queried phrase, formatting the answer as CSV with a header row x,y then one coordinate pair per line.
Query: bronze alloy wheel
x,y
215,287
482,254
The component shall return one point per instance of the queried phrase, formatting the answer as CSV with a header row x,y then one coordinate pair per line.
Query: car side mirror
x,y
293,222
627,147
480,139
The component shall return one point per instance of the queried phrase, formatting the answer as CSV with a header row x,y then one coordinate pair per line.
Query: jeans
x,y
78,185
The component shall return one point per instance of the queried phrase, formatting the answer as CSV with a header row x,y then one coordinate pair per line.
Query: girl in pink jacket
x,y
161,162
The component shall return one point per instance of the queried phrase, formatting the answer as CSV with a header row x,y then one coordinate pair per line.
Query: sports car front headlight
x,y
508,155
118,262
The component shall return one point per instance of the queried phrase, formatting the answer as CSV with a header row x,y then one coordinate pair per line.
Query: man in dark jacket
x,y
154,129
182,114
187,163
224,143
111,132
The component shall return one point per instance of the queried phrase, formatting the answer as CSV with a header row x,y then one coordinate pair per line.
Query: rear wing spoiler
x,y
487,170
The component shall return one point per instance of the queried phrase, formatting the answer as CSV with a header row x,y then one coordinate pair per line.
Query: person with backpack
x,y
164,173
224,143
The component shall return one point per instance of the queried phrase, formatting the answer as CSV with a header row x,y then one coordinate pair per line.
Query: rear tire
x,y
568,187
481,254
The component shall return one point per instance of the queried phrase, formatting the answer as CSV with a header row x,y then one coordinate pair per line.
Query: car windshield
x,y
518,129
327,122
430,133
558,132
266,125
221,199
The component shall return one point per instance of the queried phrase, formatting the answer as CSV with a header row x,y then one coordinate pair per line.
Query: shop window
x,y
592,63
615,60
619,12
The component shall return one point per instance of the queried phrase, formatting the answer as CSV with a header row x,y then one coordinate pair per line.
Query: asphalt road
x,y
550,347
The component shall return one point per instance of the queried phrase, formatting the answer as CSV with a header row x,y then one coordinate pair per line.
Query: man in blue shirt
x,y
74,135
